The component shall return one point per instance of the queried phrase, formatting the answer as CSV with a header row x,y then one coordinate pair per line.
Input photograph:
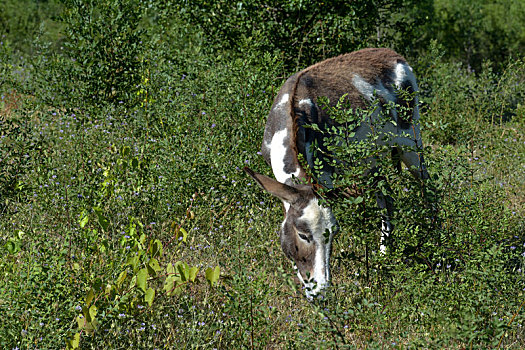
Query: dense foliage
x,y
126,220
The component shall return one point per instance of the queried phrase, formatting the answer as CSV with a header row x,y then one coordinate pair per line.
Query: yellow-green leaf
x,y
170,269
73,342
133,261
155,248
92,311
90,295
81,321
149,296
212,275
84,219
193,273
90,327
142,277
133,281
153,266
122,277
181,235
178,288
182,269
168,285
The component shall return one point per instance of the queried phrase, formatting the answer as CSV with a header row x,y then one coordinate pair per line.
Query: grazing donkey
x,y
369,77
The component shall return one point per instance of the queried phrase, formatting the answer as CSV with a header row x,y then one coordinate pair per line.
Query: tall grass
x,y
88,186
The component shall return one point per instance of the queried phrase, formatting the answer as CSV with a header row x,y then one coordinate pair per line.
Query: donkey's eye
x,y
304,237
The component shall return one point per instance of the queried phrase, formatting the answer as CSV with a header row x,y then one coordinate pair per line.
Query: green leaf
x,y
181,233
133,262
102,220
155,248
90,295
122,277
153,266
212,275
142,239
133,281
131,229
148,297
73,342
103,246
193,273
142,277
20,234
182,269
84,219
125,151
12,246
92,312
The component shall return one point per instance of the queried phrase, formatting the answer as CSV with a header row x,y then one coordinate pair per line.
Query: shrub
x,y
304,32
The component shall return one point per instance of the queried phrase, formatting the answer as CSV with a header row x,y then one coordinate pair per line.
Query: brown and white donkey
x,y
369,77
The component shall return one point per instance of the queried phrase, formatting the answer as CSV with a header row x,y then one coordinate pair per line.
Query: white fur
x,y
306,101
368,90
386,229
278,150
283,101
402,73
319,219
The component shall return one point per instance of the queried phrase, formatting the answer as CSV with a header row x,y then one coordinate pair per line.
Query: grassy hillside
x,y
126,220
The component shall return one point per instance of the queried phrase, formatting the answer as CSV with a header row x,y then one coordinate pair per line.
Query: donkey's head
x,y
306,232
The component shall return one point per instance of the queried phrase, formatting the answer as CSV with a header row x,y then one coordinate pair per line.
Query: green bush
x,y
458,104
23,21
304,32
492,30
103,53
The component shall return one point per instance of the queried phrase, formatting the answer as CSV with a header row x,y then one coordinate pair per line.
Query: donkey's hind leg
x,y
386,204
415,163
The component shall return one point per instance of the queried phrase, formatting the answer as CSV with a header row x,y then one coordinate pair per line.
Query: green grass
x,y
88,186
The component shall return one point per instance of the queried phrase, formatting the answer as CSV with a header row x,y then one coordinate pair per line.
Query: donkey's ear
x,y
282,191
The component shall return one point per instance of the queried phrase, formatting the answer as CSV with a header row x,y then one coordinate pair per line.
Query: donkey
x,y
365,78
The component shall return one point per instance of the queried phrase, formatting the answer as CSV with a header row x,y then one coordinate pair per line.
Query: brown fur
x,y
332,78
294,247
